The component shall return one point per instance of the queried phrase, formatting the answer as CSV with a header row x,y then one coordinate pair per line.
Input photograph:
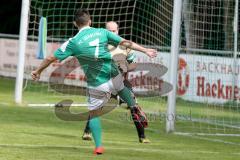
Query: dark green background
x,y
10,11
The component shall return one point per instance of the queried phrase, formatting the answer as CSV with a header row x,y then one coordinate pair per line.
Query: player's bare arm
x,y
148,51
45,63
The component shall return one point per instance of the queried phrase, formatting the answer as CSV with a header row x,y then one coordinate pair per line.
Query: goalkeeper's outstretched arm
x,y
45,63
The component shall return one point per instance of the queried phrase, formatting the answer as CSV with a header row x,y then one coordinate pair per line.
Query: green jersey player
x,y
89,46
123,58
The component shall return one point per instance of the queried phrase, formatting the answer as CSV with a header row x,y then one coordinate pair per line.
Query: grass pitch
x,y
36,133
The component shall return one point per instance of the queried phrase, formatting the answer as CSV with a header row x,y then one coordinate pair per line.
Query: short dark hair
x,y
82,17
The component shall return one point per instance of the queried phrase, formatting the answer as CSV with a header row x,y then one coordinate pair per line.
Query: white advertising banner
x,y
9,58
200,78
208,78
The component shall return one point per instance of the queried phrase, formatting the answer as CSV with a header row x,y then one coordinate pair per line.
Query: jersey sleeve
x,y
64,51
113,38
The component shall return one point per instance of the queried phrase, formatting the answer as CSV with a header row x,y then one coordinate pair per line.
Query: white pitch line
x,y
41,105
53,105
208,134
217,140
207,139
5,103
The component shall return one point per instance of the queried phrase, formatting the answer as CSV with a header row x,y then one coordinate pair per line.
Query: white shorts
x,y
98,96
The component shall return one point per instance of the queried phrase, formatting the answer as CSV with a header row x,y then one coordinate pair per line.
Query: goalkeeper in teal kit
x,y
89,46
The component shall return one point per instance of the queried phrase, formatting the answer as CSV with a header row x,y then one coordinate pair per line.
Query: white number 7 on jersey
x,y
96,44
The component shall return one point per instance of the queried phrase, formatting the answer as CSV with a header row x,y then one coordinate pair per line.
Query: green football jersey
x,y
89,46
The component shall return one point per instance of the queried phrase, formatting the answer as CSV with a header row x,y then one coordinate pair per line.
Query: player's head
x,y
82,18
112,26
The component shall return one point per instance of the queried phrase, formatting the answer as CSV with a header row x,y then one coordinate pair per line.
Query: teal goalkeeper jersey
x,y
89,46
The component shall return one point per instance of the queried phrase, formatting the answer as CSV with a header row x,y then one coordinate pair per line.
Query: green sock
x,y
95,127
125,94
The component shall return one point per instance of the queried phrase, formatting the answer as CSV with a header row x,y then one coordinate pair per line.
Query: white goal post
x,y
21,55
175,45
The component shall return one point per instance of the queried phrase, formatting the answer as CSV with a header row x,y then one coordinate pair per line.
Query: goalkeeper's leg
x,y
138,125
138,116
87,133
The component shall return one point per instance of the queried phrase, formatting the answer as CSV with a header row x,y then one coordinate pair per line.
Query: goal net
x,y
207,93
208,69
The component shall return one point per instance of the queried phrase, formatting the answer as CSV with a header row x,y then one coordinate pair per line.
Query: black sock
x,y
87,128
139,126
